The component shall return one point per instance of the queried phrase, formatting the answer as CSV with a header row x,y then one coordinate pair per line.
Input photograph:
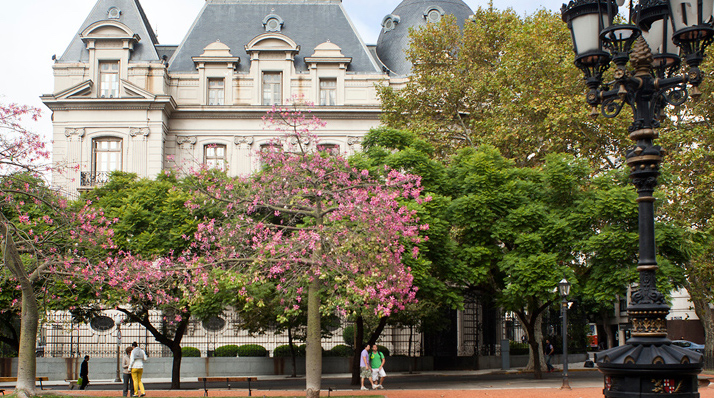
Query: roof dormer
x,y
110,33
216,53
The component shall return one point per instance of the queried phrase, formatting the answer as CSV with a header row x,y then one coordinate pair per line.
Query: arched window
x,y
214,156
106,157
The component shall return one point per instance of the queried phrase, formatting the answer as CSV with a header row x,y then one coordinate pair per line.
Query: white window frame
x,y
109,79
272,90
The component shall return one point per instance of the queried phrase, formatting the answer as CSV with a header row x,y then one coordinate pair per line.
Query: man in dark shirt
x,y
84,373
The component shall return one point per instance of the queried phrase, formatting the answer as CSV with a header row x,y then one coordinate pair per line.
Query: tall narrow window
x,y
107,158
272,88
216,92
328,91
214,156
109,79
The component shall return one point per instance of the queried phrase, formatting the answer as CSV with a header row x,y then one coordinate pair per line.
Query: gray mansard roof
x,y
392,44
132,15
307,22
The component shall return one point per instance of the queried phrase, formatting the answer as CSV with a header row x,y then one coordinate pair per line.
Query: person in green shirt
x,y
376,362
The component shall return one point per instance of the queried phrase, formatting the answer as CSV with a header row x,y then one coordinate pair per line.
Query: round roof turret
x,y
394,38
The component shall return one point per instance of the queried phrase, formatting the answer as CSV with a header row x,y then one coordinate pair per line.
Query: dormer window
x,y
433,14
273,23
113,13
390,22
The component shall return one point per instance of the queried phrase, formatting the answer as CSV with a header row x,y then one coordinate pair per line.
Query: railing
x,y
61,337
93,178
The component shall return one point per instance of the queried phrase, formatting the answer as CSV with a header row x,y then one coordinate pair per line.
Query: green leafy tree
x,y
492,83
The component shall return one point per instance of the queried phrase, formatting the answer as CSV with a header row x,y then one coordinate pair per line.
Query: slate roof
x,y
132,15
307,22
391,45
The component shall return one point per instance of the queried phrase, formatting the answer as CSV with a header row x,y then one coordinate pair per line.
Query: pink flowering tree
x,y
38,231
150,266
320,231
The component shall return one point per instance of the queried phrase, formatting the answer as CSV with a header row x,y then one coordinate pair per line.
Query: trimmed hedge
x,y
230,350
518,348
340,350
188,352
283,351
384,350
251,350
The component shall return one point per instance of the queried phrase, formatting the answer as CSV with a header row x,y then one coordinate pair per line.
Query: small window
x,y
109,79
328,91
272,88
390,22
273,23
433,14
216,92
214,156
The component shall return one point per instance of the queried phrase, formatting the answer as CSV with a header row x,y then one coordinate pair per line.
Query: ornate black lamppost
x,y
648,365
564,289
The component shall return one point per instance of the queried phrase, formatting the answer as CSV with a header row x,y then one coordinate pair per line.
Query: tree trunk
x,y
358,346
176,367
29,317
293,354
313,354
706,316
609,335
533,326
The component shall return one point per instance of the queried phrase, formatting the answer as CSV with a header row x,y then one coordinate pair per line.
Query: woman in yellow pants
x,y
136,364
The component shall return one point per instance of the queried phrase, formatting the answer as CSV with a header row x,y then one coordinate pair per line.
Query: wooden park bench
x,y
14,380
227,380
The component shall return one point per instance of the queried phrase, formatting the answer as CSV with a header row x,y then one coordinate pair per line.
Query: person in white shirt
x,y
136,364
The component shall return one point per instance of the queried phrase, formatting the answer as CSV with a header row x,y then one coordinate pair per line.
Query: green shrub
x,y
283,351
518,348
230,350
188,352
340,350
252,350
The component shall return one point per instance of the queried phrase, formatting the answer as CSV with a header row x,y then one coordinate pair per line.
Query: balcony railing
x,y
93,178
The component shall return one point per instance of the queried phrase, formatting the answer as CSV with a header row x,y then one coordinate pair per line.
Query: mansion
x,y
122,101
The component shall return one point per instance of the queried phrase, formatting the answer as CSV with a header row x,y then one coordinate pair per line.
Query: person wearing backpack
x,y
376,362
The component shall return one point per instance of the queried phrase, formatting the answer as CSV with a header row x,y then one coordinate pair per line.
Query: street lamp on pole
x,y
648,364
564,289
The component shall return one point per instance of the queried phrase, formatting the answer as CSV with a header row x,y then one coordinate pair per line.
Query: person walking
x,y
376,362
136,364
126,372
84,372
364,369
549,352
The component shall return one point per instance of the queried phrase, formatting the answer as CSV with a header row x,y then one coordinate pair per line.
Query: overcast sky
x,y
34,30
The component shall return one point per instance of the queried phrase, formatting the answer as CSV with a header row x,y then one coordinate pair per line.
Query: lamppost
x,y
564,289
647,365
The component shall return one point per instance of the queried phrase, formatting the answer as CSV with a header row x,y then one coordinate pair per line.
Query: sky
x,y
34,30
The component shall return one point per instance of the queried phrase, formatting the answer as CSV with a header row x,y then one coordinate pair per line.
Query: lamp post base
x,y
566,384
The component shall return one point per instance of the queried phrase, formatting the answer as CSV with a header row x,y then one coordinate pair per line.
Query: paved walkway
x,y
585,383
